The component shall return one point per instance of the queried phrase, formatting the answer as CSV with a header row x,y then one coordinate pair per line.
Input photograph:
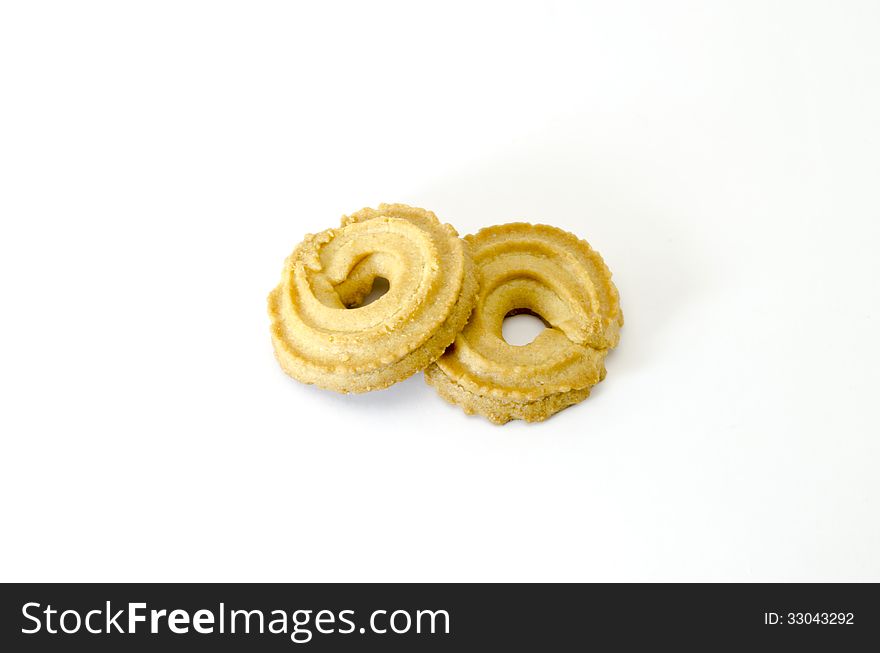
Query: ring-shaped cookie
x,y
538,269
320,333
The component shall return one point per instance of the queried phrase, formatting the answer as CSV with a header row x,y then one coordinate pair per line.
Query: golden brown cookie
x,y
323,336
542,270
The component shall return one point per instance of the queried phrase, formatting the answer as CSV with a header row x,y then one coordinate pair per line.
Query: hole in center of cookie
x,y
521,327
380,287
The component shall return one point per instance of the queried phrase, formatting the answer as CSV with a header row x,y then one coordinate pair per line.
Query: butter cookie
x,y
323,335
550,273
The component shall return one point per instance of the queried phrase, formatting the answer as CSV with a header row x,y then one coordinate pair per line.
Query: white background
x,y
159,160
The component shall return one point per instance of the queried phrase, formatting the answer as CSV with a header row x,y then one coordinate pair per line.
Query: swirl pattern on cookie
x,y
542,270
321,333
